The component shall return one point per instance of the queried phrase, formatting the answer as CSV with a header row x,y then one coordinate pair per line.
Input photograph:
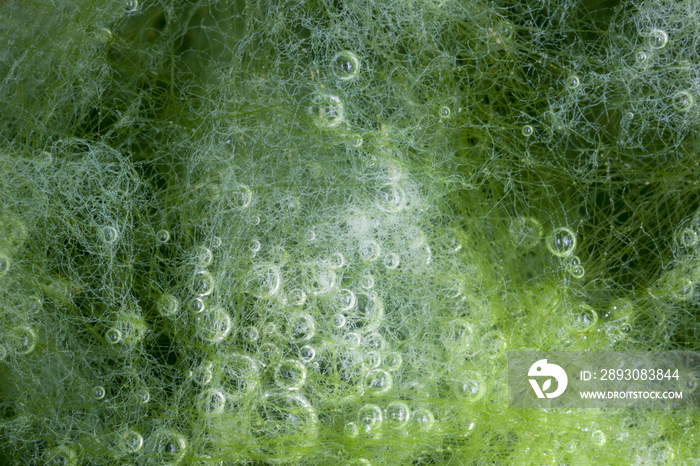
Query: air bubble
x,y
582,318
269,352
291,420
113,336
392,261
345,299
203,374
526,232
527,131
270,329
335,261
374,341
250,334
203,283
98,393
60,456
351,429
168,305
470,387
682,101
310,235
297,297
255,246
369,250
641,57
372,360
370,417
369,312
4,263
338,321
575,268
573,82
324,283
352,339
629,115
327,110
131,441
241,374
290,374
444,112
212,401
658,39
143,396
378,381
24,340
367,282
562,242
307,353
598,437
163,236
267,280
131,6
392,361
397,414
689,237
169,446
204,256
214,326
302,328
424,418
109,235
197,305
459,336
345,66
242,196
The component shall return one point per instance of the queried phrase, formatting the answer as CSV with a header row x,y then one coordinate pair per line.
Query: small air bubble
x,y
204,256
197,305
682,101
307,353
168,305
113,336
398,414
98,393
562,242
132,441
444,112
338,320
290,374
163,236
4,263
527,131
203,283
641,57
255,246
327,110
369,250
242,196
131,6
345,66
392,261
250,334
143,396
573,82
109,235
658,39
